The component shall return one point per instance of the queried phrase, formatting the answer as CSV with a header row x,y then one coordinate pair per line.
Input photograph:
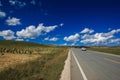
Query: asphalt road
x,y
92,65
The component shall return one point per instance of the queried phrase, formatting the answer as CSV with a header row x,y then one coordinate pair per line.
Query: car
x,y
83,49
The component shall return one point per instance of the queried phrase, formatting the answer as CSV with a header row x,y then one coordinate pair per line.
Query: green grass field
x,y
48,66
111,50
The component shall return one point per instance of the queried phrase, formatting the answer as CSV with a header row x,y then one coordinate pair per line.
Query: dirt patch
x,y
8,60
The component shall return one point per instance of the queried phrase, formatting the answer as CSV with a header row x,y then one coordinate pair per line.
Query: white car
x,y
83,49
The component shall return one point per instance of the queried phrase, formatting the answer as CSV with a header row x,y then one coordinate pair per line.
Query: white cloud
x,y
33,32
96,38
48,28
115,41
99,38
17,3
61,24
19,39
7,34
51,39
13,21
65,44
33,2
47,38
2,14
118,30
73,44
113,32
87,30
12,2
72,38
54,39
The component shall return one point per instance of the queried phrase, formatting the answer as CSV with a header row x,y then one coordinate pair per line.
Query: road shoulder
x,y
66,73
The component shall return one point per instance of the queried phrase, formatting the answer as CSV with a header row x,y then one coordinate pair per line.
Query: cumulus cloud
x,y
96,38
100,38
72,38
87,30
13,21
48,29
17,3
7,34
33,32
114,41
2,14
51,39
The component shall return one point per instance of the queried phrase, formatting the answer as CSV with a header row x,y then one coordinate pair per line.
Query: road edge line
x,y
80,68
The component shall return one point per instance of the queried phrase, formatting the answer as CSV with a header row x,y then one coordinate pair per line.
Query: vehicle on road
x,y
83,49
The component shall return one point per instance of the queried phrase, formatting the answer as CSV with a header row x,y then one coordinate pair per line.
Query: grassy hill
x,y
31,61
21,43
20,47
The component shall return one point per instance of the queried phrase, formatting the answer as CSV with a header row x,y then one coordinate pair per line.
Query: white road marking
x,y
80,68
106,53
114,61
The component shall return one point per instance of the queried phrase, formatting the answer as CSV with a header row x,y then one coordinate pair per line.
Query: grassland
x,y
10,60
110,50
30,61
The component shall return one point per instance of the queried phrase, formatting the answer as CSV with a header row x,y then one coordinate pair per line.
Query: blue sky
x,y
61,22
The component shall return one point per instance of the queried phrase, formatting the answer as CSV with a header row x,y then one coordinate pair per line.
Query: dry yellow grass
x,y
8,60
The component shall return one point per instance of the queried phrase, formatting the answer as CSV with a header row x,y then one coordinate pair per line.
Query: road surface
x,y
92,65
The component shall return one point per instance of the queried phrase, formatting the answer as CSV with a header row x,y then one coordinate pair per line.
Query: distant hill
x,y
21,43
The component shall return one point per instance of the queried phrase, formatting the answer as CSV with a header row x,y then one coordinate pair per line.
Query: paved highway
x,y
92,65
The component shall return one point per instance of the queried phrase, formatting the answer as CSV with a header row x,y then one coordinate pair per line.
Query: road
x,y
92,65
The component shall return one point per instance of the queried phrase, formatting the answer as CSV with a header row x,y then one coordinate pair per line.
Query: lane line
x,y
114,61
80,68
106,53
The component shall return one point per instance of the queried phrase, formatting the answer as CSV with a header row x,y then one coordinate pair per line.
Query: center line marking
x,y
117,62
80,68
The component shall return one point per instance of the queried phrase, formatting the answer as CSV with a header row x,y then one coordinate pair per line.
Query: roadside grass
x,y
47,67
12,43
9,60
111,50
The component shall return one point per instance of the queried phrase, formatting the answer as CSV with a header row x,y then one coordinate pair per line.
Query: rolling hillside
x,y
31,61
21,43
